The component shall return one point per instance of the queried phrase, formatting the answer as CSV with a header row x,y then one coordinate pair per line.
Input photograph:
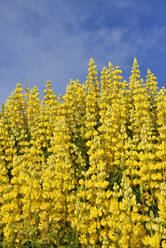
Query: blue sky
x,y
54,40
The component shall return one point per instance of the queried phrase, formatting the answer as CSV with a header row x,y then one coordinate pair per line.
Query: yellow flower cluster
x,y
93,161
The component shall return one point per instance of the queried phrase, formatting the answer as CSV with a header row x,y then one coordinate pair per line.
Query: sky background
x,y
54,40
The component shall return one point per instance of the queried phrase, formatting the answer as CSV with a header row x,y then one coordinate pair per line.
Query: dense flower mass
x,y
87,169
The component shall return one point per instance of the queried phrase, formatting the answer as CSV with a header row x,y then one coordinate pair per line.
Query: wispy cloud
x,y
56,39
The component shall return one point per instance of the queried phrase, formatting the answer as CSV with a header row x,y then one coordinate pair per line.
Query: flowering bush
x,y
87,169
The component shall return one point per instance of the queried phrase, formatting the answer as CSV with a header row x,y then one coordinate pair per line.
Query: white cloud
x,y
45,42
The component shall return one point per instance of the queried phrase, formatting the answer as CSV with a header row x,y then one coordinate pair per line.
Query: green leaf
x,y
26,243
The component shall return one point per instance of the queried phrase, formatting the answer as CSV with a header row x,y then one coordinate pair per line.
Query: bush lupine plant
x,y
87,169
